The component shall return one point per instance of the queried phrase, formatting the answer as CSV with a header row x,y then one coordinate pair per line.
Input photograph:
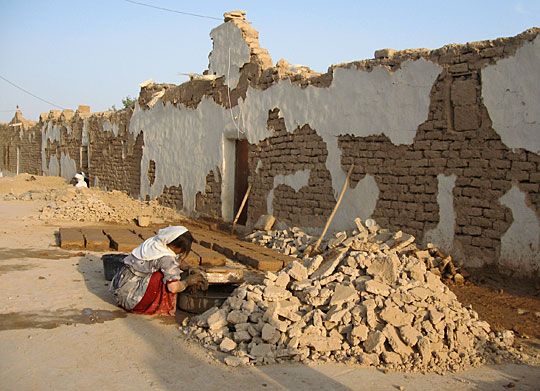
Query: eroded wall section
x,y
445,143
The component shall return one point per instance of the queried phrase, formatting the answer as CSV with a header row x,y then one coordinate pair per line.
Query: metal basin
x,y
200,301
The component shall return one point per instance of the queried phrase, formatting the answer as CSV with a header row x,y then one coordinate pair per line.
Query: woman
x,y
150,279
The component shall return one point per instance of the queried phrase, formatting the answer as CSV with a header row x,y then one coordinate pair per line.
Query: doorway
x,y
241,179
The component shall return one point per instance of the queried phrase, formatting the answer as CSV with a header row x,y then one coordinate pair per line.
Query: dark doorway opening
x,y
241,179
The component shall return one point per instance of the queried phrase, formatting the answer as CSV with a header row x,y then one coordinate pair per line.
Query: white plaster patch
x,y
443,234
510,91
68,166
358,202
85,140
297,180
229,54
186,144
107,126
51,133
54,167
259,166
519,245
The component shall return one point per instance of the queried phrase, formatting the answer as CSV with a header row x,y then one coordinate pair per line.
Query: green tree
x,y
128,102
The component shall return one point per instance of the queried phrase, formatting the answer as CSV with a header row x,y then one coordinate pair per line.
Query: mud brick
x,y
206,243
71,238
265,263
244,254
122,239
208,257
95,239
193,259
144,233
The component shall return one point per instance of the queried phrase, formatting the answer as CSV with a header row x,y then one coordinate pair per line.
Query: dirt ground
x,y
507,303
60,329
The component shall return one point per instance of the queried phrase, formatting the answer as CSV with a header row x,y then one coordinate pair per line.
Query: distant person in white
x,y
80,181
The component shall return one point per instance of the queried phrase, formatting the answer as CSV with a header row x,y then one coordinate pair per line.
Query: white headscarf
x,y
156,246
80,181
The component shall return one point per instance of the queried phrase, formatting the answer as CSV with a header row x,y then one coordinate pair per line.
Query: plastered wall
x,y
445,143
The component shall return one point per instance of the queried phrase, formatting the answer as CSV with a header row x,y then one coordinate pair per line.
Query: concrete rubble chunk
x,y
282,280
409,334
360,332
269,333
391,357
374,342
424,346
217,319
359,225
395,342
236,317
394,316
377,288
328,266
343,294
265,222
261,350
385,268
313,264
227,345
337,240
233,361
297,271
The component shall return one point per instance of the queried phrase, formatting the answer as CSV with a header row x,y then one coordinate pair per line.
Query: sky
x,y
96,52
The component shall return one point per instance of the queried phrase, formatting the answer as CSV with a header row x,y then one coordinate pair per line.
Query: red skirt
x,y
157,300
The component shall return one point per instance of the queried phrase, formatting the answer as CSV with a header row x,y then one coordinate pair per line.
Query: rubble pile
x,y
352,305
94,205
296,243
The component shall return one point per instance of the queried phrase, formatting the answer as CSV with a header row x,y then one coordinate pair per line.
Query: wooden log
x,y
318,242
241,208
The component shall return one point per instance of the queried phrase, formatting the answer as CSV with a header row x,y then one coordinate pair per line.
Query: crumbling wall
x,y
20,144
444,142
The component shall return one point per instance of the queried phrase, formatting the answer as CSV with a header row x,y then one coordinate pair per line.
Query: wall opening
x,y
241,178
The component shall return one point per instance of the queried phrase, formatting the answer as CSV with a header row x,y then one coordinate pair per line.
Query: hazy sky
x,y
96,52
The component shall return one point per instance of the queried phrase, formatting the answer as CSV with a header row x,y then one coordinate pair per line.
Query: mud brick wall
x,y
209,203
440,161
21,137
115,158
172,197
284,154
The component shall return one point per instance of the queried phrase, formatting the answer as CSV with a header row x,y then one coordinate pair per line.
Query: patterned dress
x,y
138,280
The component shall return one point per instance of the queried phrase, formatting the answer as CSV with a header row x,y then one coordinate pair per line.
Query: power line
x,y
29,93
171,10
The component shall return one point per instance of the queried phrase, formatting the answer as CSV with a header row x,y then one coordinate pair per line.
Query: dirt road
x,y
59,329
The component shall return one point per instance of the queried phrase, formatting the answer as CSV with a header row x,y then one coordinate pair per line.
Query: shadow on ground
x,y
187,357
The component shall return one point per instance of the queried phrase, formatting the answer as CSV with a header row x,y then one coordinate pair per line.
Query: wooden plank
x,y
71,238
95,239
224,275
